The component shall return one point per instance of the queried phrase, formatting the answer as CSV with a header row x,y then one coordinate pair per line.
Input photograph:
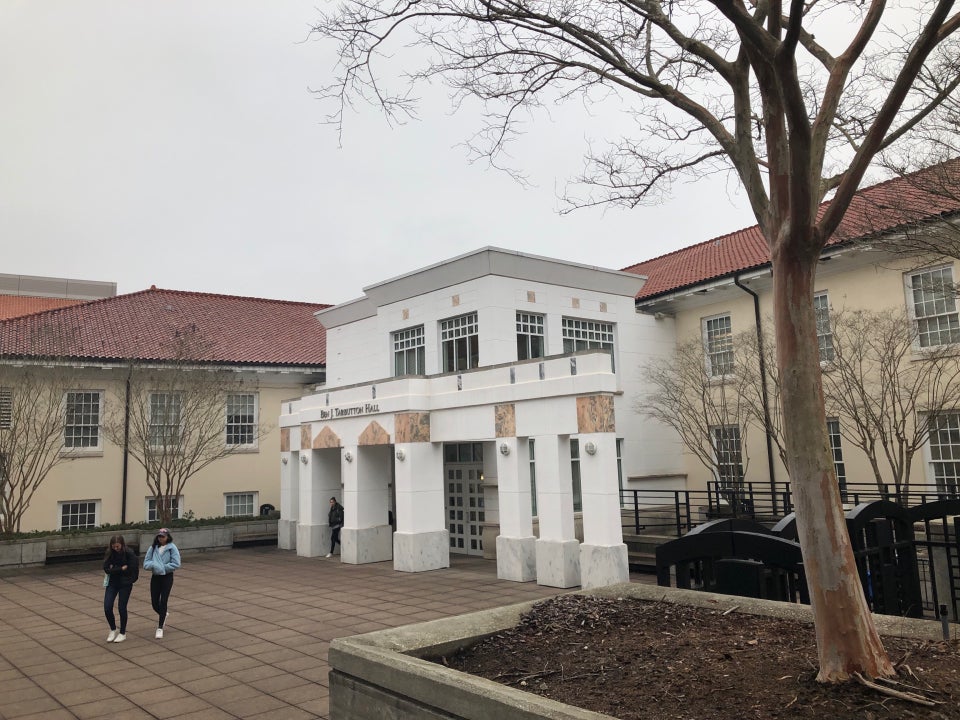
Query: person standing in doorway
x,y
335,518
121,568
162,559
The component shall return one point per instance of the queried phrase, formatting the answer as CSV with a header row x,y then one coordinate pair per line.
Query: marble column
x,y
558,551
603,554
367,537
319,480
422,541
289,500
516,544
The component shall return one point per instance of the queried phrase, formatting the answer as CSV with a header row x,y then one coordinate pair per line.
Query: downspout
x,y
763,388
126,447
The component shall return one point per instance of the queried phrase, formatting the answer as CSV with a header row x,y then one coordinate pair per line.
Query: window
x,y
240,504
75,514
836,451
821,306
727,450
176,508
620,468
529,336
6,408
408,352
82,420
945,451
575,471
165,419
935,307
459,343
531,443
718,345
242,419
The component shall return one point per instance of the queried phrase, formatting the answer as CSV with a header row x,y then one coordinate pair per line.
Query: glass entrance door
x,y
463,473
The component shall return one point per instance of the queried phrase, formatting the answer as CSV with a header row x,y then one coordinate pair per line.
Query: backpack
x,y
135,575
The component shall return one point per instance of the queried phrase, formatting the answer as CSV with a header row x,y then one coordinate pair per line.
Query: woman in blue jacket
x,y
162,559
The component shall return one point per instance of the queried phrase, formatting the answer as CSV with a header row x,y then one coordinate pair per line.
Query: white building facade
x,y
495,389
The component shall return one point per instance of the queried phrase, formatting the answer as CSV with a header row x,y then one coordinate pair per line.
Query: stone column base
x,y
366,545
602,565
558,563
416,552
516,558
313,540
287,534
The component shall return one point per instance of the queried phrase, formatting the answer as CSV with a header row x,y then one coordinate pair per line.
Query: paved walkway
x,y
247,636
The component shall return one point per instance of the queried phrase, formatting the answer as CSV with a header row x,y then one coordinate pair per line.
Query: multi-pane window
x,y
408,352
459,343
531,444
6,408
175,504
728,452
935,307
82,420
575,471
586,335
718,345
165,411
821,307
240,504
241,419
945,451
78,514
529,336
836,452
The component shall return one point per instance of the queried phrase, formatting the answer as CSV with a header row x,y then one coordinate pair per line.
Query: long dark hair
x,y
115,539
156,538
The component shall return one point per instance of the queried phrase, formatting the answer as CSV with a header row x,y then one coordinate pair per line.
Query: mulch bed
x,y
635,659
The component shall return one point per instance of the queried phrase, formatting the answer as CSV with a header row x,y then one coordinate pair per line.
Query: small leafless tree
x,y
881,391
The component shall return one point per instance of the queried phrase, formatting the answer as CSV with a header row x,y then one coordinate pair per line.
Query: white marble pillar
x,y
289,500
516,544
422,541
367,537
603,554
558,551
319,480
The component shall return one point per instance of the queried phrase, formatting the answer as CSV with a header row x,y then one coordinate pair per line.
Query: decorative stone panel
x,y
412,427
284,439
505,419
326,439
374,434
595,414
305,436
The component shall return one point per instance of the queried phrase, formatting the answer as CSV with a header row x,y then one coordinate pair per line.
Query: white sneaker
x,y
120,638
159,633
112,636
329,555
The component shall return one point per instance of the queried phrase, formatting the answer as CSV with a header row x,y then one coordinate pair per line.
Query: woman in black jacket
x,y
122,568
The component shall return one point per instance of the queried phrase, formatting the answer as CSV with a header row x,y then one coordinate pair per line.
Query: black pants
x,y
334,539
160,587
110,594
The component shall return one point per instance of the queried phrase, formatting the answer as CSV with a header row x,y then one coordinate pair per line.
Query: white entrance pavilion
x,y
482,390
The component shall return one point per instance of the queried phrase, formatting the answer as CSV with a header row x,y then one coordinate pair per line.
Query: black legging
x,y
334,539
160,587
110,594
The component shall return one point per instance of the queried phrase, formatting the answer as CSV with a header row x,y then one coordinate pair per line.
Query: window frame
x,y
575,477
79,449
952,317
178,423
152,515
723,480
453,330
710,352
6,408
254,423
255,500
934,455
407,337
824,328
61,504
835,439
531,328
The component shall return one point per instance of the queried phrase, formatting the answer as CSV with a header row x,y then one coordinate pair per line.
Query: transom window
x,y
718,345
586,335
408,352
821,307
175,503
945,451
6,408
242,419
75,514
82,420
935,307
529,336
459,343
728,452
240,504
165,409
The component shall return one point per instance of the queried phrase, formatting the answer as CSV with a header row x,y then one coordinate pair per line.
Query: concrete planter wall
x,y
382,674
37,551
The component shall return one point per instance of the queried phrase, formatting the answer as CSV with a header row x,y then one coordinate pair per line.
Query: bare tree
x,y
881,392
751,87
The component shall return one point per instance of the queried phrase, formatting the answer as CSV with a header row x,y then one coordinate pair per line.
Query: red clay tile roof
x,y
151,326
17,305
880,208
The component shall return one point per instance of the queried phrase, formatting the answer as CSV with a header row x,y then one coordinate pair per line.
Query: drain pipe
x,y
763,388
126,447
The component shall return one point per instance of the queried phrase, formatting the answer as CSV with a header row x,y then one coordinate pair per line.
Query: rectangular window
x,y
75,514
82,420
6,408
459,343
620,468
531,443
242,419
240,504
728,452
945,451
529,336
408,352
836,451
575,471
718,345
821,307
176,508
165,419
935,307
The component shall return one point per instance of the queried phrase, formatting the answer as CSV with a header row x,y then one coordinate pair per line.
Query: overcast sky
x,y
177,143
